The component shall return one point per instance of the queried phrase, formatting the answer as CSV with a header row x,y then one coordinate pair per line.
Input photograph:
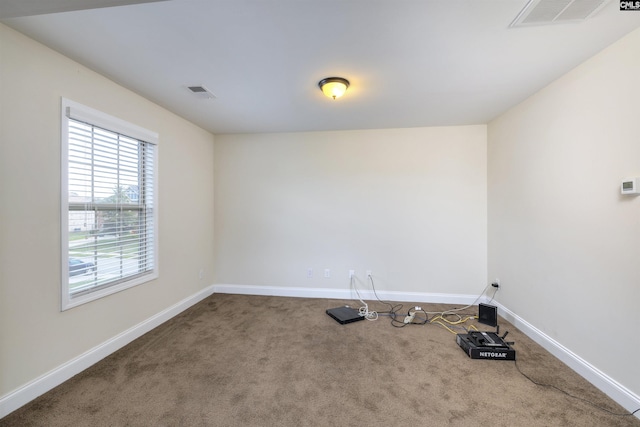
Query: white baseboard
x,y
330,293
62,373
623,396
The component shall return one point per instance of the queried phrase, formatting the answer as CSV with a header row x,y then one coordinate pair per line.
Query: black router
x,y
345,314
486,345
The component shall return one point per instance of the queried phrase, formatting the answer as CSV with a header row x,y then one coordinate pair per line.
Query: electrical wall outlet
x,y
327,273
309,273
368,273
352,273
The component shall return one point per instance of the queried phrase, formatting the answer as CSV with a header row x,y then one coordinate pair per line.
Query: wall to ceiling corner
x,y
407,204
562,239
37,339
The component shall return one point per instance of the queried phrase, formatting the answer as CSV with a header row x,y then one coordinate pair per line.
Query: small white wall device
x,y
630,186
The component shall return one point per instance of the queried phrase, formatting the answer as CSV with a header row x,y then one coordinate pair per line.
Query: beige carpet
x,y
236,360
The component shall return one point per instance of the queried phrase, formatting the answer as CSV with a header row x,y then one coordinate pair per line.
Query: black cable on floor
x,y
617,414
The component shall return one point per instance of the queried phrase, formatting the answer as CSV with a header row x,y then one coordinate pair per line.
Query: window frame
x,y
75,111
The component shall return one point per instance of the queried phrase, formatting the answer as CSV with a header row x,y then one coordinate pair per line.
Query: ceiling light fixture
x,y
333,87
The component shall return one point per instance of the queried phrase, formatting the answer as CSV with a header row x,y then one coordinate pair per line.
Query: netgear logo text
x,y
629,5
492,354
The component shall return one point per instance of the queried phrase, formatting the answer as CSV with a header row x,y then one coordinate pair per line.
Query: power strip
x,y
412,315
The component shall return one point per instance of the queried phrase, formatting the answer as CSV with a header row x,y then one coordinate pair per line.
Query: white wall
x,y
35,337
408,204
562,239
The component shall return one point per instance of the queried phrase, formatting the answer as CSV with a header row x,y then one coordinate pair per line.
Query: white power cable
x,y
373,315
454,310
364,310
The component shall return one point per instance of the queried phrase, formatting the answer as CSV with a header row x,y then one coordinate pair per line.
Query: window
x,y
109,205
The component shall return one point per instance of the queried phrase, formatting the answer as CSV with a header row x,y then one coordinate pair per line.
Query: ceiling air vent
x,y
542,12
201,92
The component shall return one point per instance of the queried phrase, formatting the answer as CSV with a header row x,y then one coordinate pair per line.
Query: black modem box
x,y
345,314
485,345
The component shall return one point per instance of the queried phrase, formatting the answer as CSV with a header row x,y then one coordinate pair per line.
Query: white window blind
x,y
110,205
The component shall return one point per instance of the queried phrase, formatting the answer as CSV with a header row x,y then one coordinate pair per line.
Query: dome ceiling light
x,y
333,87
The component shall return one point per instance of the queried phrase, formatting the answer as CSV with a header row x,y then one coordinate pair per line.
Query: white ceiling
x,y
16,8
410,63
